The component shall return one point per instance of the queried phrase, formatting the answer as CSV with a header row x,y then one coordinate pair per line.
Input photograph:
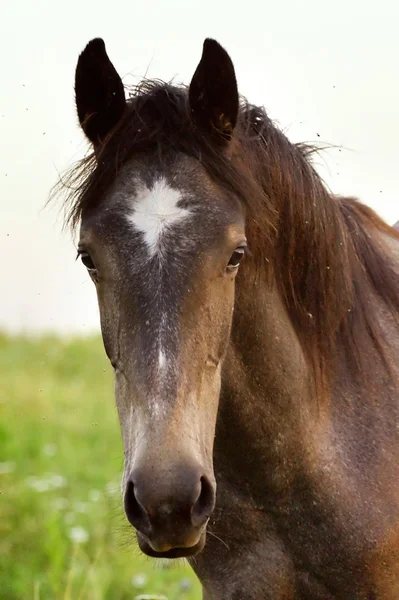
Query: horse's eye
x,y
87,261
236,258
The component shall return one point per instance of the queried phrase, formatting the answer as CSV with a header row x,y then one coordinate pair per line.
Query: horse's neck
x,y
266,401
271,421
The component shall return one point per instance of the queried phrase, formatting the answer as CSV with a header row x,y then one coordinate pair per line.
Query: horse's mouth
x,y
146,547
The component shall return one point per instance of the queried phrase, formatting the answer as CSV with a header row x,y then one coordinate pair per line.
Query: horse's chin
x,y
147,549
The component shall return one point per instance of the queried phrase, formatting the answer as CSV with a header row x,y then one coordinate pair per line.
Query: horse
x,y
251,317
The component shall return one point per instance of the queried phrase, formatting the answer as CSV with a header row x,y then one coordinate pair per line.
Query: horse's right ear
x,y
99,93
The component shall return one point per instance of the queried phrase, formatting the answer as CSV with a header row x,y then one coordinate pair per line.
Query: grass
x,y
63,535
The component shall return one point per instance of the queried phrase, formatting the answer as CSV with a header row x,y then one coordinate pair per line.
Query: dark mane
x,y
326,249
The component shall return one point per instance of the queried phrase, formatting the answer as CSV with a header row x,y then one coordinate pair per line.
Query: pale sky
x,y
327,68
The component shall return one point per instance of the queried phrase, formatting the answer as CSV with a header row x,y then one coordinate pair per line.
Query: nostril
x,y
135,513
205,503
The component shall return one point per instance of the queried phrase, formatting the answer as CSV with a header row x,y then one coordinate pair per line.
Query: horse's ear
x,y
213,94
99,93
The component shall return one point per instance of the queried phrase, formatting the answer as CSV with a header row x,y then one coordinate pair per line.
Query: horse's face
x,y
164,251
163,248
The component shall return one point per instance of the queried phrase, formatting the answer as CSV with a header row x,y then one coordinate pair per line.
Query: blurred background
x,y
326,72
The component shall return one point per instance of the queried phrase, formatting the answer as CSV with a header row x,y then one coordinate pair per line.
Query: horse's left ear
x,y
100,97
213,94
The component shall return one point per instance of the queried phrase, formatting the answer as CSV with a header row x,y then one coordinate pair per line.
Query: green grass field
x,y
62,530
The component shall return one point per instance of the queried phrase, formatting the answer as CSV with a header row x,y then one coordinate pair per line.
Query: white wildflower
x,y
7,467
37,484
185,584
57,481
139,580
150,597
80,507
49,450
60,503
79,535
94,495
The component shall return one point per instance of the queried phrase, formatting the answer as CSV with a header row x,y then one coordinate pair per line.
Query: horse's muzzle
x,y
170,509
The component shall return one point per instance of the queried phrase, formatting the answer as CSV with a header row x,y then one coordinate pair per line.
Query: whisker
x,y
218,538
